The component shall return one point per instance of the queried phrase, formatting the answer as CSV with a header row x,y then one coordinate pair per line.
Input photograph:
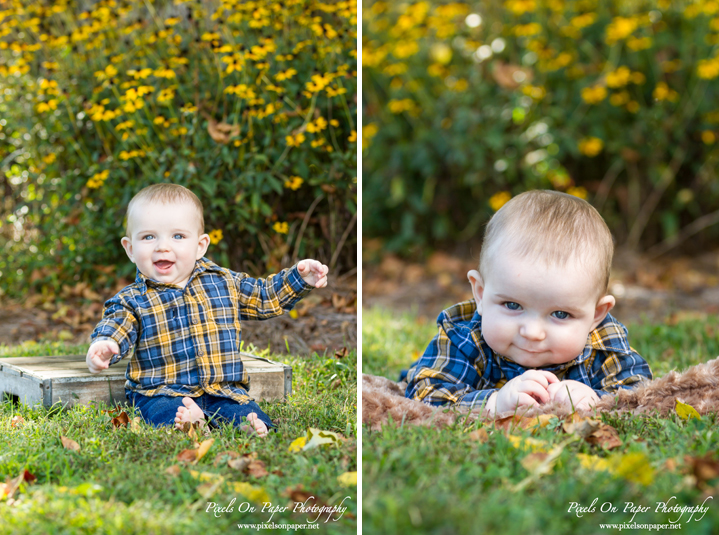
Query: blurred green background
x,y
252,105
468,103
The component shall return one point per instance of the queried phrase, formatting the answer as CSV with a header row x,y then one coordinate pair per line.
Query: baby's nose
x,y
162,244
532,330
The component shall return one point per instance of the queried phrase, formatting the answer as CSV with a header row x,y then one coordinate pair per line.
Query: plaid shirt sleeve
x,y
266,298
447,372
615,365
120,324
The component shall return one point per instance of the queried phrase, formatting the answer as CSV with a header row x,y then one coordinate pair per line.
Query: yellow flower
x,y
619,99
294,183
620,28
708,68
708,137
353,136
498,200
519,7
295,141
49,158
281,227
285,75
594,95
591,146
47,106
619,78
633,106
98,179
578,192
663,92
124,125
368,132
216,236
639,43
319,125
109,72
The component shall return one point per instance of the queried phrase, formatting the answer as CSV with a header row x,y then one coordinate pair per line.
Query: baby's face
x,y
165,241
537,315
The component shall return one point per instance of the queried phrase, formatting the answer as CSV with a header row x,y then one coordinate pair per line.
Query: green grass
x,y
117,482
423,480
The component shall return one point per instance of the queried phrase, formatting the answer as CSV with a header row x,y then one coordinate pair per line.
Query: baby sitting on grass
x,y
538,328
182,317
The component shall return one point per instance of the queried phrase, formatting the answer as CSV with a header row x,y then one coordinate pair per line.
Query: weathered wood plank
x,y
66,379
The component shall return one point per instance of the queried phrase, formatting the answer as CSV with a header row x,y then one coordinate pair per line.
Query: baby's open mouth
x,y
163,265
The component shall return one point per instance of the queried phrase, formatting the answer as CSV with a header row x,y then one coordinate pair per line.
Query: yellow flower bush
x,y
228,98
466,103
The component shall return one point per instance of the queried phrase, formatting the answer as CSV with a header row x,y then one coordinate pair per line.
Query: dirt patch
x,y
656,291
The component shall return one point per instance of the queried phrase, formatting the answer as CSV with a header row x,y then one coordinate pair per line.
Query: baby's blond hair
x,y
551,226
165,194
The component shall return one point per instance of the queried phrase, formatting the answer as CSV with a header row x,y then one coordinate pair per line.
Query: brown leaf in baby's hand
x,y
606,436
256,469
121,420
69,444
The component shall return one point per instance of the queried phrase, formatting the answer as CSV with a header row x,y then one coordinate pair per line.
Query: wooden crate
x,y
67,380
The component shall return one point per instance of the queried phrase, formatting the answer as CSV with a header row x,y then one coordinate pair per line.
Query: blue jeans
x,y
161,410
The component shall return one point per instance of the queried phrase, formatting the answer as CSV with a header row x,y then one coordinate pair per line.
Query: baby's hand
x,y
571,392
313,272
99,355
530,388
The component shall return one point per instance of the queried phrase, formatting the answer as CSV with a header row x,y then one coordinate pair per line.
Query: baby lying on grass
x,y
182,317
538,328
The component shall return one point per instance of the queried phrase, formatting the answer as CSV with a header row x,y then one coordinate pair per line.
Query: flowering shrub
x,y
615,101
252,105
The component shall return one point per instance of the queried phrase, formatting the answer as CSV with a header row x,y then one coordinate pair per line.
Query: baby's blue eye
x,y
560,314
178,236
511,305
148,237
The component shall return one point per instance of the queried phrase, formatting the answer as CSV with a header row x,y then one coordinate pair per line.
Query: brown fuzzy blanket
x,y
383,400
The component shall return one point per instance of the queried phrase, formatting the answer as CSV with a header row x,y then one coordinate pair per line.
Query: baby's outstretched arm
x,y
530,388
99,355
313,272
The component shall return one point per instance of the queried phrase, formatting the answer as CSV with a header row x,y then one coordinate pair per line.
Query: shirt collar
x,y
201,265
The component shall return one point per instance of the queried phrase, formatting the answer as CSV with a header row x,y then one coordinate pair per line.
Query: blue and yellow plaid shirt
x,y
186,341
459,367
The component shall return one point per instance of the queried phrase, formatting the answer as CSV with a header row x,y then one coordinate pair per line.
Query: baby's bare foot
x,y
255,425
190,413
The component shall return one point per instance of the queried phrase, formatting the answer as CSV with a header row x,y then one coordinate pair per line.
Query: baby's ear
x,y
604,305
475,280
202,245
127,245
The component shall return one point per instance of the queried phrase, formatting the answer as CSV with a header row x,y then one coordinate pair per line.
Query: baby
x,y
538,328
182,316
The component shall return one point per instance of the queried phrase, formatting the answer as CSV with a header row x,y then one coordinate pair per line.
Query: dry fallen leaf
x,y
173,470
606,436
480,435
121,420
537,463
222,132
704,469
17,421
239,464
582,427
256,469
225,456
204,448
686,411
348,479
515,421
69,444
252,493
187,456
